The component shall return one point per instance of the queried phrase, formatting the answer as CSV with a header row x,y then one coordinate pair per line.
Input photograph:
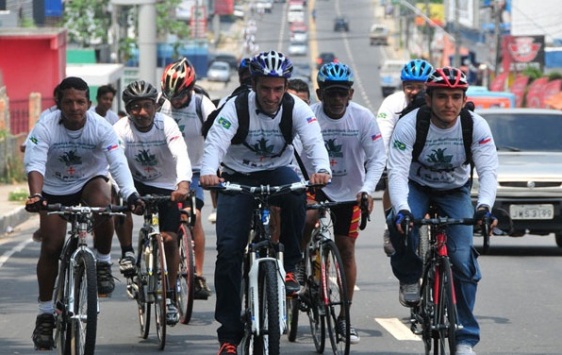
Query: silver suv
x,y
529,196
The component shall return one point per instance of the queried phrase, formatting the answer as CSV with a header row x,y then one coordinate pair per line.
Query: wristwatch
x,y
323,171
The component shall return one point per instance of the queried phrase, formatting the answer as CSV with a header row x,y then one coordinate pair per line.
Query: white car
x,y
299,36
297,48
219,71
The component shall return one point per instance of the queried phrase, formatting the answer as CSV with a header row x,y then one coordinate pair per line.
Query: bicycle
x,y
186,274
150,286
263,301
324,296
435,318
76,292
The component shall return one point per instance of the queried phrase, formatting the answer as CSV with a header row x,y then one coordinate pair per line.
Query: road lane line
x,y
397,329
18,248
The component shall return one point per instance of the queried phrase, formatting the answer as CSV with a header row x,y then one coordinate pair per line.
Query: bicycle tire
x,y
160,289
316,311
62,327
335,297
85,318
445,312
141,282
423,245
186,274
268,342
485,244
293,307
424,311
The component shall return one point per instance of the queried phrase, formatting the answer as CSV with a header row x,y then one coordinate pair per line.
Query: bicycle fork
x,y
253,293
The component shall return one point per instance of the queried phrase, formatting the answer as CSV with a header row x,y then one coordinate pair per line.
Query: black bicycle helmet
x,y
271,64
139,90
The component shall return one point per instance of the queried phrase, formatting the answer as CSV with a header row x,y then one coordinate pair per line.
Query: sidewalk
x,y
12,213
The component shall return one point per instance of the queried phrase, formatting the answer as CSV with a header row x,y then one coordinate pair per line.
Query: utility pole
x,y
497,13
457,59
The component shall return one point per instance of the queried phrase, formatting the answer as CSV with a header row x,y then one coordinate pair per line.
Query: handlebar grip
x,y
486,222
364,211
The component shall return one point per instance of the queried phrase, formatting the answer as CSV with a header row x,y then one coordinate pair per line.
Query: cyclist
x,y
299,88
413,77
242,163
441,175
66,160
178,81
354,144
160,165
104,97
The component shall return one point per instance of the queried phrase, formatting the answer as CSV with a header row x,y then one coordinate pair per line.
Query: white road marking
x,y
397,329
18,248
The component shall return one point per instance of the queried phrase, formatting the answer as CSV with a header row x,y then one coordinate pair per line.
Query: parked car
x,y
219,71
378,35
389,74
529,195
298,48
298,26
341,23
325,57
231,59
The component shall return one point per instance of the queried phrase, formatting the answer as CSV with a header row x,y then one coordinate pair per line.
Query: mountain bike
x,y
150,286
76,292
263,301
435,318
186,275
324,296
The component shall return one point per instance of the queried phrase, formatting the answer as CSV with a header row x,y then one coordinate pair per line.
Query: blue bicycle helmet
x,y
416,70
272,64
244,65
334,73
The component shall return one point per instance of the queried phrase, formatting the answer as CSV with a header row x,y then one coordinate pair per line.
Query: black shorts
x,y
73,199
169,212
345,217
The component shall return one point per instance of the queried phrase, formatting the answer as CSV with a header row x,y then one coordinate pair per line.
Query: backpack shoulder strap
x,y
467,125
286,124
243,115
422,128
198,104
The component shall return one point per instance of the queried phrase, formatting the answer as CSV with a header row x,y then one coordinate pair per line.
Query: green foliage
x,y
3,133
87,21
14,172
554,75
18,195
532,73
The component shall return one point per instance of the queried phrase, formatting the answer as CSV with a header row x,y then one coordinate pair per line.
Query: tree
x,y
87,21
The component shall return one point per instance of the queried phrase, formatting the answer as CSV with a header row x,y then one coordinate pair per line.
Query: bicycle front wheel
x,y
186,274
85,319
270,333
316,310
160,276
336,301
445,312
140,282
293,308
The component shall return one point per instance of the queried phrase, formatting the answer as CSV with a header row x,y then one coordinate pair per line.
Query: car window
x,y
526,132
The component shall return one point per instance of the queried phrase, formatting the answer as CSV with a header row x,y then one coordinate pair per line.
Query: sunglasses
x,y
147,106
336,92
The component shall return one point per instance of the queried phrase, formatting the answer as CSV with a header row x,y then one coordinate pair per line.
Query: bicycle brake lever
x,y
364,211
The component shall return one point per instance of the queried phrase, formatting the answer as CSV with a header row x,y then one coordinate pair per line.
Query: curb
x,y
11,220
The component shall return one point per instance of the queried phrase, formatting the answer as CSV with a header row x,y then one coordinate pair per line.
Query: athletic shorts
x,y
73,199
345,217
168,211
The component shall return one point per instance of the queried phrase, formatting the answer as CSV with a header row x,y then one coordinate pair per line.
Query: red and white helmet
x,y
447,78
177,77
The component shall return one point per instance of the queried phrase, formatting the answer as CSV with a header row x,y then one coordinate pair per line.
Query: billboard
x,y
520,52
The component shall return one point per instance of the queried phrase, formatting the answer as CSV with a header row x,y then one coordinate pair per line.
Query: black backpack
x,y
241,102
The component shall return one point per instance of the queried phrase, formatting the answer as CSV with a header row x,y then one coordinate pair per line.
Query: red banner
x,y
535,92
498,84
518,89
224,7
550,89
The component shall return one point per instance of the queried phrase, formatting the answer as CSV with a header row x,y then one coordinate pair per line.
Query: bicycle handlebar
x,y
327,204
110,210
262,189
446,221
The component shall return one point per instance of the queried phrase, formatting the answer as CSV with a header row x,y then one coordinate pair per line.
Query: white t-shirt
x,y
158,157
190,125
68,159
441,161
354,144
110,115
389,113
266,139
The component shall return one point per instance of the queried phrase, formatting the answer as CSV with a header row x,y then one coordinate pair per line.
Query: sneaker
x,y
201,290
409,294
353,335
43,333
213,216
292,285
464,349
387,244
127,264
227,348
106,284
172,315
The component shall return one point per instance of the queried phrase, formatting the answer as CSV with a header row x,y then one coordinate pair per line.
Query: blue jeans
x,y
407,266
234,212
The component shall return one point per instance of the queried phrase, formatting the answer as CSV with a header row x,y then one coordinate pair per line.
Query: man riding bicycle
x,y
441,175
158,159
249,164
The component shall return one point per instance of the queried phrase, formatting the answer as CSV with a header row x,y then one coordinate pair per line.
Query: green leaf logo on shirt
x,y
224,122
381,115
334,150
399,145
70,158
261,147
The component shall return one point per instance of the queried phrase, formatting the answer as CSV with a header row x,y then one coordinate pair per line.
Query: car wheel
x,y
558,239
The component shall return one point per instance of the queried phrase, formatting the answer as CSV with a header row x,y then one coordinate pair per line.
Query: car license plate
x,y
531,211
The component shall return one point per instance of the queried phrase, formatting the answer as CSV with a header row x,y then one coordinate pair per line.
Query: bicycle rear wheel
x,y
335,298
85,319
186,274
62,325
293,308
160,290
316,311
445,312
141,281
